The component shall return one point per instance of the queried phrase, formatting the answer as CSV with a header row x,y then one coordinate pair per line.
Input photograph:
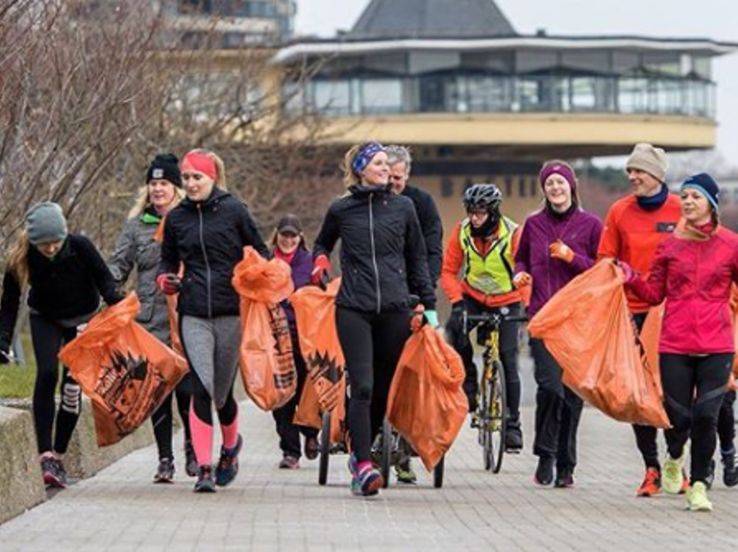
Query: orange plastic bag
x,y
649,337
426,403
126,371
171,301
588,329
267,365
315,311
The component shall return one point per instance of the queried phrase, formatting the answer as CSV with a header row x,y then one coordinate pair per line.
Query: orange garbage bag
x,y
649,337
325,389
426,403
171,301
267,365
588,329
123,369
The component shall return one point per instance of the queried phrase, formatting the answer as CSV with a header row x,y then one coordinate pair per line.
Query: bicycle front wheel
x,y
497,416
325,448
387,448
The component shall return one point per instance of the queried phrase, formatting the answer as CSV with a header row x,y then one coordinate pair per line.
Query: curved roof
x,y
430,19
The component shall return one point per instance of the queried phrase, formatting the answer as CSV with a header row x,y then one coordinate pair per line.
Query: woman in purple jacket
x,y
289,245
557,243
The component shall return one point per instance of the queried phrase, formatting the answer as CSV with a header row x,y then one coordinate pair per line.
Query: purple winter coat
x,y
302,268
577,229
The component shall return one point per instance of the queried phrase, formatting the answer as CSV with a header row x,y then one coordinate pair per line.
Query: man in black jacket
x,y
400,162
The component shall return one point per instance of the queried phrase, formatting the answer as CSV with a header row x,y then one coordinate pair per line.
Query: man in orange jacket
x,y
482,247
634,228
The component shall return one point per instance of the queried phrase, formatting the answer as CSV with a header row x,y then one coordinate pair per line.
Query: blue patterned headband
x,y
364,156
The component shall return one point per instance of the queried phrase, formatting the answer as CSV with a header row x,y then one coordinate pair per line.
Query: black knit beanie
x,y
165,166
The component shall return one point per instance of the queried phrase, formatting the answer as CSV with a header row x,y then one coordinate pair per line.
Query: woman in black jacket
x,y
206,233
383,261
66,276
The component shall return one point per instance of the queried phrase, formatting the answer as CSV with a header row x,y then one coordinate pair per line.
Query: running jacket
x,y
208,237
578,229
65,287
632,234
383,254
695,278
432,227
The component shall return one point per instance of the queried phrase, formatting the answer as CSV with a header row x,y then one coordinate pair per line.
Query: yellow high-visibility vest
x,y
491,274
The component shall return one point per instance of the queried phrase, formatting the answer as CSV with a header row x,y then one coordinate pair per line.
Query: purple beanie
x,y
560,169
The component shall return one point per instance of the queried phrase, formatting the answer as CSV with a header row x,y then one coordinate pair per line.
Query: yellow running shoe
x,y
697,500
672,476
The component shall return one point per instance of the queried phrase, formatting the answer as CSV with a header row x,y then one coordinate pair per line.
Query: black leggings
x,y
202,403
646,435
726,423
162,419
48,338
372,344
558,411
693,393
508,353
289,432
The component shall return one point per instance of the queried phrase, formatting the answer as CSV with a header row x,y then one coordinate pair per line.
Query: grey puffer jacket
x,y
136,248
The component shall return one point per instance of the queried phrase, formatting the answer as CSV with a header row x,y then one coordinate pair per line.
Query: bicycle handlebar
x,y
494,318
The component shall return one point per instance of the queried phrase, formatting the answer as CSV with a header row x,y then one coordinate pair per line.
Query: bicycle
x,y
391,452
491,415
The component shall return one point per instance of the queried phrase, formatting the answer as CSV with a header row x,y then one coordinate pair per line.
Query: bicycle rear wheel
x,y
386,460
497,416
325,448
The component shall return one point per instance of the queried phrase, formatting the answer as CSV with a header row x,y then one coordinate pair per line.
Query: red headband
x,y
199,162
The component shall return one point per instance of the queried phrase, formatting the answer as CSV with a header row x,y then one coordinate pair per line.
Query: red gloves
x,y
627,273
559,250
321,268
169,284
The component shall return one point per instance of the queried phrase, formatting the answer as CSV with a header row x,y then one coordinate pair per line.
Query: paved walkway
x,y
268,509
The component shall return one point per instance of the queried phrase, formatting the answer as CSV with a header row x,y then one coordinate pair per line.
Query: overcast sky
x,y
714,19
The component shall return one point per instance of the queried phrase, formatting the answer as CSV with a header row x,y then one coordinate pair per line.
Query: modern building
x,y
479,101
236,23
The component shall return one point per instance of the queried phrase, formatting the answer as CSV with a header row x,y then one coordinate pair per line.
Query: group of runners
x,y
669,248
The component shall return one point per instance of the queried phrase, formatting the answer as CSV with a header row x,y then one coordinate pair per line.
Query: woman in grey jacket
x,y
137,248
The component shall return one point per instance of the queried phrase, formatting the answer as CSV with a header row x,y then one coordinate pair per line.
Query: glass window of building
x,y
381,95
332,97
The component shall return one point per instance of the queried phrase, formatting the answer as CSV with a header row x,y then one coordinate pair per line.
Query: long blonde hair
x,y
142,200
18,259
220,182
350,178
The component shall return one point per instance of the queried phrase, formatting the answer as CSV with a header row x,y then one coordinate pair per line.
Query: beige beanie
x,y
647,158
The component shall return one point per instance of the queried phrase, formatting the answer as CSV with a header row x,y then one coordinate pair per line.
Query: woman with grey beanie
x,y
65,275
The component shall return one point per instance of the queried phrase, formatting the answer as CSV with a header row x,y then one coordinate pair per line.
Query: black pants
x,y
162,419
558,411
48,338
202,403
372,344
726,422
289,433
508,353
646,435
693,393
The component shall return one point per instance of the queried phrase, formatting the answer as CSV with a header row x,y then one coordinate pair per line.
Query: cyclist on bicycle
x,y
482,248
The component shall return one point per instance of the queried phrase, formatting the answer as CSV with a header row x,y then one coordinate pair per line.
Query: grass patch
x,y
16,381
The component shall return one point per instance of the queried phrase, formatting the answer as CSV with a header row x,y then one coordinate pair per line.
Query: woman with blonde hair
x,y
206,234
65,276
383,261
137,248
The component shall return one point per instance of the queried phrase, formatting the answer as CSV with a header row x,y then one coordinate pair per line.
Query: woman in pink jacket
x,y
693,271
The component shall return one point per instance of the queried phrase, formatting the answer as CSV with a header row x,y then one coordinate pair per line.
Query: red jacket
x,y
695,278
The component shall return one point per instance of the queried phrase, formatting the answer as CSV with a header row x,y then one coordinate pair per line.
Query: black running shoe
x,y
227,467
513,437
205,482
165,471
564,478
311,448
53,472
190,460
730,472
545,471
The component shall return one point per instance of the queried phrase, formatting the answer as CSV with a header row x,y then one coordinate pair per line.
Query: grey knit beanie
x,y
45,223
647,158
